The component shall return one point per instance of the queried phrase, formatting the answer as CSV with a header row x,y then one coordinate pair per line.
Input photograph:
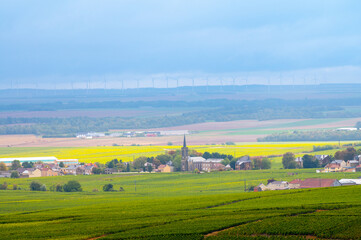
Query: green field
x,y
181,206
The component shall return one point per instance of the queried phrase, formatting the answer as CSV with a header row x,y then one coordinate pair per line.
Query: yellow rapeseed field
x,y
128,153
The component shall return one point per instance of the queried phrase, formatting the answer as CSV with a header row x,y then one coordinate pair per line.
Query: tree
x,y
288,161
72,186
216,155
177,163
266,163
206,155
96,170
3,167
233,163
14,174
310,161
28,164
149,168
156,162
128,167
108,187
110,164
139,162
43,188
59,188
225,161
349,153
35,186
339,155
256,163
15,165
61,164
164,158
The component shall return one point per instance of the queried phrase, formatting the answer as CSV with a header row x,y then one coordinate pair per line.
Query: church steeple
x,y
184,155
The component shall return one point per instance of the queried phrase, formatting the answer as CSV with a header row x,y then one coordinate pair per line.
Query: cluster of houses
x,y
353,165
129,134
307,183
46,167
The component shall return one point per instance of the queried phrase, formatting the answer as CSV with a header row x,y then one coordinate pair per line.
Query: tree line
x,y
222,110
318,135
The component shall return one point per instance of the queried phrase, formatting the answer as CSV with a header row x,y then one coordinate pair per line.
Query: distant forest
x,y
319,135
218,110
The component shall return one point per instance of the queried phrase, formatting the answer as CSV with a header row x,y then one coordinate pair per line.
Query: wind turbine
x,y
192,84
207,83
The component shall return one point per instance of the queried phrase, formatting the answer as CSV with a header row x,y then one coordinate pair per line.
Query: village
x,y
191,161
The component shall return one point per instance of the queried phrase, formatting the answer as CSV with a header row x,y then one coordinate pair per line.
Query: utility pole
x,y
245,185
135,185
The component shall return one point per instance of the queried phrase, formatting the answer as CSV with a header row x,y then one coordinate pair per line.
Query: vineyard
x,y
181,206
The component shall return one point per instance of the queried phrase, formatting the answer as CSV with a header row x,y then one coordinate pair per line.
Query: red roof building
x,y
319,182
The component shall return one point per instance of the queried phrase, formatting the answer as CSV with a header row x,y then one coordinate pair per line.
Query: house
x,y
352,163
47,172
212,164
278,185
345,182
323,159
342,163
166,168
319,182
244,163
71,170
260,187
110,170
295,184
88,170
299,162
333,167
5,174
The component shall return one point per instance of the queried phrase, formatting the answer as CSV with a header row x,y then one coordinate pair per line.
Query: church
x,y
200,163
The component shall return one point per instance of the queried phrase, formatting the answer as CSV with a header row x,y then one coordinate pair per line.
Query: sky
x,y
53,42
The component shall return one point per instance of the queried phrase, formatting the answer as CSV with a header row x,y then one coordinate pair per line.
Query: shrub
x,y
14,174
95,190
72,186
15,187
59,188
121,189
35,186
4,186
43,188
108,187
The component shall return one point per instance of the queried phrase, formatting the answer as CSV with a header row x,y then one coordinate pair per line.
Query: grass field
x,y
181,206
128,153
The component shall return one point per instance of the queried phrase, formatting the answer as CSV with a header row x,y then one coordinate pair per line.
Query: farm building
x,y
46,160
8,161
67,162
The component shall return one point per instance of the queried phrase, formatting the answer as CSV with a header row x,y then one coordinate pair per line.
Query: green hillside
x,y
181,206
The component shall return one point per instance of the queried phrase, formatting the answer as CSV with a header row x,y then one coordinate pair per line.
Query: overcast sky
x,y
60,40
